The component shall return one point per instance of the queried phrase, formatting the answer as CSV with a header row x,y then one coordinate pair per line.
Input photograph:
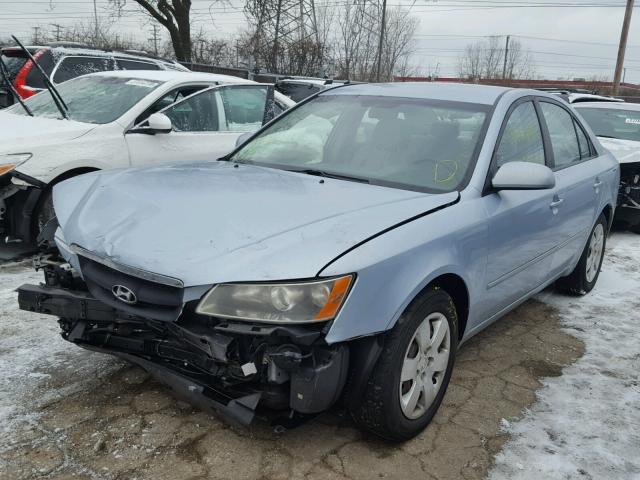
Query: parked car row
x,y
65,61
342,253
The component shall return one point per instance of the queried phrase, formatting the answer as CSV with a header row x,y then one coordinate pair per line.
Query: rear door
x,y
206,124
579,174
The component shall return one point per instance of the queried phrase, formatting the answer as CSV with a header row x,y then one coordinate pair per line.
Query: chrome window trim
x,y
133,271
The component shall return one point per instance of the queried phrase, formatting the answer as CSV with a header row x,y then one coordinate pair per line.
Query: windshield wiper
x,y
607,136
324,173
4,71
57,98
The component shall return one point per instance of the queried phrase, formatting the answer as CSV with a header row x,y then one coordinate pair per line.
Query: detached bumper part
x,y
238,370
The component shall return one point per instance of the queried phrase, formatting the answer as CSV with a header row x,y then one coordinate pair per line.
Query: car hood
x,y
625,151
21,133
218,222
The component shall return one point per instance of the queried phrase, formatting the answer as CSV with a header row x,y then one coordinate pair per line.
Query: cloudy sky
x,y
567,38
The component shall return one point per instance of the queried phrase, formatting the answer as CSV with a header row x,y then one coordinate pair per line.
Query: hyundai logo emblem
x,y
124,294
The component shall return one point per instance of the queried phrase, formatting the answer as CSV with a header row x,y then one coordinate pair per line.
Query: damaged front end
x,y
239,369
628,211
19,197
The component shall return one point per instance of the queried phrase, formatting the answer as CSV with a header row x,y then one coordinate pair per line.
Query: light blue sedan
x,y
343,253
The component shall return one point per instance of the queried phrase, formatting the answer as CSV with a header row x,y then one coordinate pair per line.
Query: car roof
x,y
456,92
172,75
609,105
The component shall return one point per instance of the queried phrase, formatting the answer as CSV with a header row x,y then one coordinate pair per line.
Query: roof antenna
x,y
4,71
57,99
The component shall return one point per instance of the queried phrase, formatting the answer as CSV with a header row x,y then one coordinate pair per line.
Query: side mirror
x,y
243,138
523,176
159,123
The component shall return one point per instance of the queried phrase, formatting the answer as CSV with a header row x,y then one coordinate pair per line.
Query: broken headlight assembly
x,y
11,161
282,302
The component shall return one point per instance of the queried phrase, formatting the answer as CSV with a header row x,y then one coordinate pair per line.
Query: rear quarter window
x,y
135,65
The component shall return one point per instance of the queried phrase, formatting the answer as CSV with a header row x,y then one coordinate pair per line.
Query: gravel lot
x,y
70,414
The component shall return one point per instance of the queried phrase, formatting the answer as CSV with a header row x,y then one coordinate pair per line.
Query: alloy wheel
x,y
424,366
596,250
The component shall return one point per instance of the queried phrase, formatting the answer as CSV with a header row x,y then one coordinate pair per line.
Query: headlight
x,y
10,161
295,302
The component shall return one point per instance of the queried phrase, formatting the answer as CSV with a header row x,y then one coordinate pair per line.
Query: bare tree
x,y
287,36
212,51
357,35
486,60
174,15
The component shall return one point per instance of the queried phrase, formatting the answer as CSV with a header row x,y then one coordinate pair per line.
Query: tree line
x,y
344,41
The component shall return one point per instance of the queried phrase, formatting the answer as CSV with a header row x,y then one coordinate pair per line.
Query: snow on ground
x,y
586,423
25,340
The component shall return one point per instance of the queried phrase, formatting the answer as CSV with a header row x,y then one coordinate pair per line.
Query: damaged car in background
x,y
342,254
617,125
118,119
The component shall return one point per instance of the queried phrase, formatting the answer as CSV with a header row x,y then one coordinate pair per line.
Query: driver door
x,y
206,125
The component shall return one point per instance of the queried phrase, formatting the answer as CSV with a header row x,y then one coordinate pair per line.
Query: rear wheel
x,y
414,369
584,277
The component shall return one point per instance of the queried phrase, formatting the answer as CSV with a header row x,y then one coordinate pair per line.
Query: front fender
x,y
394,268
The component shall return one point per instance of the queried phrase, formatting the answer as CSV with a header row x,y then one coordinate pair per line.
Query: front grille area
x,y
154,300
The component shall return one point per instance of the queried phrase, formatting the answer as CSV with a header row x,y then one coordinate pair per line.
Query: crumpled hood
x,y
213,222
21,133
625,151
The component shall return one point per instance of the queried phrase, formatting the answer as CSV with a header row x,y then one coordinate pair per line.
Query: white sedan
x,y
119,119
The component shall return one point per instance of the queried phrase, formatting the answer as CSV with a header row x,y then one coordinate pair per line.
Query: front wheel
x,y
584,277
414,369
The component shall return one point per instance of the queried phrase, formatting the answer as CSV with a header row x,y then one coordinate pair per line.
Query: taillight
x,y
24,90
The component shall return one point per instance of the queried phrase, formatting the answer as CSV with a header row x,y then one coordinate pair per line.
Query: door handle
x,y
556,203
597,183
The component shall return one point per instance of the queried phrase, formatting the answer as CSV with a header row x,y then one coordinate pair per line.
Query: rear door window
x,y
72,67
562,133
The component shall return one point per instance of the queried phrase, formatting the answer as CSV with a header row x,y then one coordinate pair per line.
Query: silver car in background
x,y
617,125
345,251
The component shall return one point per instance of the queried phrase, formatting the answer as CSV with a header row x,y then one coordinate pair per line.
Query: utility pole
x,y
58,33
95,14
154,39
382,29
622,47
506,55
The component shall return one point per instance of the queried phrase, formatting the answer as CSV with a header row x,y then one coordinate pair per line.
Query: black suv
x,y
64,61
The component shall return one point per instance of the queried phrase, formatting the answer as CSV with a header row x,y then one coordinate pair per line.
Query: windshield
x,y
613,123
403,142
91,99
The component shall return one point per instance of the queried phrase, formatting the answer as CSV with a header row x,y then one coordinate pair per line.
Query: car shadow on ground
x,y
126,425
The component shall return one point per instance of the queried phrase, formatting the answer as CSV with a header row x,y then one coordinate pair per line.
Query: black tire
x,y
577,282
378,410
635,228
43,213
